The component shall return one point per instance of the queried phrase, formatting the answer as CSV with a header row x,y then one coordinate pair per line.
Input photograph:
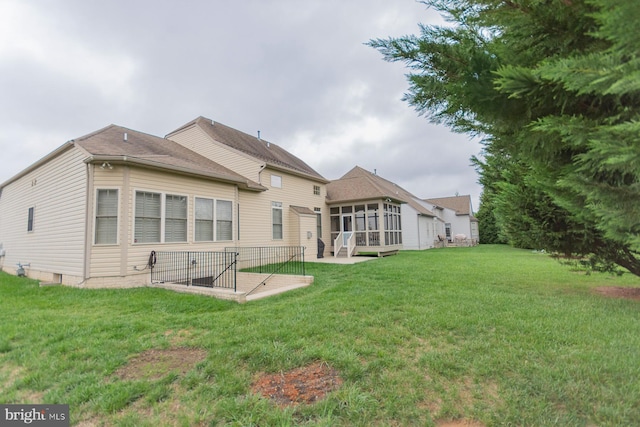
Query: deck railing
x,y
346,239
338,243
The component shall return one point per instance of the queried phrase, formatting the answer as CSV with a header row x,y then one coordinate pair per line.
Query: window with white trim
x,y
276,220
276,181
106,232
175,223
205,220
316,190
224,220
30,216
392,224
148,219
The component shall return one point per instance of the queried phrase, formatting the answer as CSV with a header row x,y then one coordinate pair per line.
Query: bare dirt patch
x,y
307,384
459,397
618,292
9,374
154,364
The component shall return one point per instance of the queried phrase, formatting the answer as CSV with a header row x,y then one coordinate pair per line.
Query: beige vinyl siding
x,y
255,208
125,258
255,213
294,228
301,224
57,192
105,259
197,140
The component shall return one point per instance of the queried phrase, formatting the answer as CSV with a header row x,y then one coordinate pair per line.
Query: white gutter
x,y
64,147
183,170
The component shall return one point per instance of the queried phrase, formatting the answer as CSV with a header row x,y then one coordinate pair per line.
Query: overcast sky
x,y
298,71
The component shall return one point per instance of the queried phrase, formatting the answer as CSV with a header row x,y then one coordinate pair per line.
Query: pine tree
x,y
553,87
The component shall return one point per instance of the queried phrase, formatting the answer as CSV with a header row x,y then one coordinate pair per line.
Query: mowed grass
x,y
490,334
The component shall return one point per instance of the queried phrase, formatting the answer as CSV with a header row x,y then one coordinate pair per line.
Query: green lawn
x,y
488,334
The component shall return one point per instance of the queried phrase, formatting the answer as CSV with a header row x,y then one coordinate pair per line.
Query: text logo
x,y
34,415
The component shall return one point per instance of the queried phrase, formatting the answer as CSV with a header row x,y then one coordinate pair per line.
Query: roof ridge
x,y
258,148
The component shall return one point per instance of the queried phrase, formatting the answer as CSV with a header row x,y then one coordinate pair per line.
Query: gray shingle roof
x,y
152,151
360,184
460,204
260,149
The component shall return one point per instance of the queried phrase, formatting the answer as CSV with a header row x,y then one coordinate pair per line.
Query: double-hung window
x,y
106,232
148,220
175,228
224,220
205,220
164,218
276,220
151,219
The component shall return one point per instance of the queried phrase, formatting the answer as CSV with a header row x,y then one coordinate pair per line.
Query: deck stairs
x,y
342,253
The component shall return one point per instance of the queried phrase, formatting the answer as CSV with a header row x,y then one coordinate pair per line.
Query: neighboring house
x,y
290,212
379,216
457,214
90,213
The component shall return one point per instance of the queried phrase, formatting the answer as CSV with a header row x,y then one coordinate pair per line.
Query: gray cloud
x,y
297,71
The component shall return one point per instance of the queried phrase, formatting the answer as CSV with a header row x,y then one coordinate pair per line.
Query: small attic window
x,y
276,181
316,190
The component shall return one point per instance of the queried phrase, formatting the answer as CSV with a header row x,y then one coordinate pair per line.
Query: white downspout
x,y
88,239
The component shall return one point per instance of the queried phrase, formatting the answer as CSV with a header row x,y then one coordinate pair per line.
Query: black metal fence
x,y
270,259
218,269
209,269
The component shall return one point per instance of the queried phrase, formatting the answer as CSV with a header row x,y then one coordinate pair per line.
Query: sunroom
x,y
366,228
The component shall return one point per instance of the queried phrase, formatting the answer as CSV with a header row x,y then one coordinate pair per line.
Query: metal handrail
x,y
272,274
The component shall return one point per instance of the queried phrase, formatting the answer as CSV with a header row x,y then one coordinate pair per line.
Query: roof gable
x,y
260,149
129,145
360,184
